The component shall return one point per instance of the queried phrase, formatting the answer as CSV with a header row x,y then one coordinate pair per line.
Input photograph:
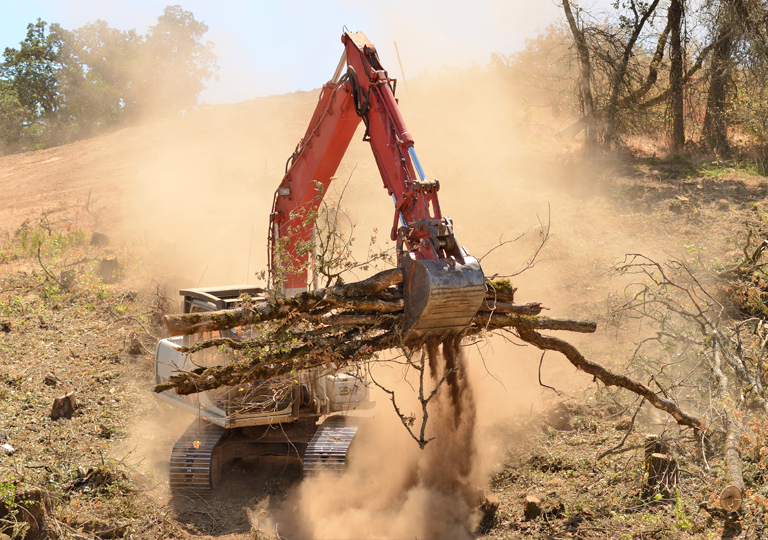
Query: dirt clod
x,y
51,380
99,240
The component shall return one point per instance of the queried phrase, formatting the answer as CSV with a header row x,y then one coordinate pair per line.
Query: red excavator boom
x,y
443,285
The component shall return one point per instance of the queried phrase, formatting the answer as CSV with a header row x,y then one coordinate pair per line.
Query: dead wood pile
x,y
350,323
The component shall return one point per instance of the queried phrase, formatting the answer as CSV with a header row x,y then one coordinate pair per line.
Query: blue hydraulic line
x,y
402,221
412,153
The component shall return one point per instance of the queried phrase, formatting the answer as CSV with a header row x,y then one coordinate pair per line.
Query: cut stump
x,y
489,507
661,472
532,508
730,498
64,406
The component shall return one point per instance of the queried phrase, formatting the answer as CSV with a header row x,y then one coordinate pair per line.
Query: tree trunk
x,y
715,126
732,494
730,497
653,71
617,78
585,78
676,74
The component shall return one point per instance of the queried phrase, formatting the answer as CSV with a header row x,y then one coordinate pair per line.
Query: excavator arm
x,y
443,286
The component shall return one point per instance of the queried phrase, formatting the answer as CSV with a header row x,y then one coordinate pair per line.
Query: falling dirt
x,y
392,489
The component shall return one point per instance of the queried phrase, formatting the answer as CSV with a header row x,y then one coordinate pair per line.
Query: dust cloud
x,y
392,489
200,198
152,435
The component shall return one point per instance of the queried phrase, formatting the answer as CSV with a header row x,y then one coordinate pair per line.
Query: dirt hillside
x,y
186,201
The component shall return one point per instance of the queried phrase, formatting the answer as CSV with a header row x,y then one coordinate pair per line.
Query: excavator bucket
x,y
441,298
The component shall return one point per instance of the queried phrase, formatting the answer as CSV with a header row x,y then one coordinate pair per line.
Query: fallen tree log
x,y
318,303
501,320
378,294
315,302
342,350
350,323
731,495
372,285
531,308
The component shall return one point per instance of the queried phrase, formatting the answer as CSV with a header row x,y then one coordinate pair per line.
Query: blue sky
x,y
269,47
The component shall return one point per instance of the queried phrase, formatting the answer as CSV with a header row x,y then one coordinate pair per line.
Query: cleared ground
x,y
186,202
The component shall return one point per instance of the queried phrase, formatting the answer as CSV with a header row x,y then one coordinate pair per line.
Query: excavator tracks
x,y
190,469
327,451
194,464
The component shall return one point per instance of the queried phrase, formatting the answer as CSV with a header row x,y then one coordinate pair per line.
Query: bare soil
x,y
106,465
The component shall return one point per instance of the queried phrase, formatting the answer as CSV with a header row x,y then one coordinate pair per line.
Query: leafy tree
x,y
113,57
73,113
32,69
13,119
178,62
62,85
98,66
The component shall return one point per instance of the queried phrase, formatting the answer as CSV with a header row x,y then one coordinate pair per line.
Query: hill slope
x,y
186,202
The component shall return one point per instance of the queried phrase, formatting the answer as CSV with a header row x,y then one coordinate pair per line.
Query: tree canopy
x,y
62,85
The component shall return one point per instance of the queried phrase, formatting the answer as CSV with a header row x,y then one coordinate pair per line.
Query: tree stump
x,y
489,507
64,406
654,445
109,270
134,347
68,279
51,380
559,417
35,508
99,240
661,472
532,507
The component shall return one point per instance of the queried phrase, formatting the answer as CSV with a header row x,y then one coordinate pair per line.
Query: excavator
x,y
443,287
